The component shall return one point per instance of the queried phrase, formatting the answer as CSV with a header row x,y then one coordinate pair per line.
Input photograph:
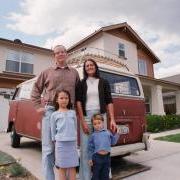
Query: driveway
x,y
163,157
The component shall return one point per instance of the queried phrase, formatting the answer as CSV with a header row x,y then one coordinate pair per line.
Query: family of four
x,y
62,92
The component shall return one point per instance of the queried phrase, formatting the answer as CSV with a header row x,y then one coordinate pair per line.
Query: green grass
x,y
170,138
9,166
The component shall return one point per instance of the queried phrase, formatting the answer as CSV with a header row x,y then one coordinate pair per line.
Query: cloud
x,y
156,21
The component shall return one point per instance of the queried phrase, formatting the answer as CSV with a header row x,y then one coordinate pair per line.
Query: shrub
x,y
157,123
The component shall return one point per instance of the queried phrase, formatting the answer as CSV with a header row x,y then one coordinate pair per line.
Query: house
x,y
18,62
119,43
170,97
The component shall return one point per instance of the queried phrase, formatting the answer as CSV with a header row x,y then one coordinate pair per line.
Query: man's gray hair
x,y
61,46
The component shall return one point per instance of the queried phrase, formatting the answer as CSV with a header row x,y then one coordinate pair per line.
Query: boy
x,y
99,148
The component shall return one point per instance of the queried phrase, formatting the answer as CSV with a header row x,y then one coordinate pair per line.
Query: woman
x,y
93,96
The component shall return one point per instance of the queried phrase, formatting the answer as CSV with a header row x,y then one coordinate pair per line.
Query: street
x,y
163,158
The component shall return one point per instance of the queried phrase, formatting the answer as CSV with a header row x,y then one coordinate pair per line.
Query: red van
x,y
129,106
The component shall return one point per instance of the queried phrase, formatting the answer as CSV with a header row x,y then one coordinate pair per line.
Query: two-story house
x,y
120,43
18,62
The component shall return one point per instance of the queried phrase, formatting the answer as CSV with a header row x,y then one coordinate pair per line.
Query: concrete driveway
x,y
163,157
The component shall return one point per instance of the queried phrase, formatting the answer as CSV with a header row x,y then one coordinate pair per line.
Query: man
x,y
51,79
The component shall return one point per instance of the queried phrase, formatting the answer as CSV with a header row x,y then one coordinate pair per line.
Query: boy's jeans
x,y
101,166
47,145
85,169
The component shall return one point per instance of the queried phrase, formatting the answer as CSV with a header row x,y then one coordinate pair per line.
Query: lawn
x,y
170,138
11,169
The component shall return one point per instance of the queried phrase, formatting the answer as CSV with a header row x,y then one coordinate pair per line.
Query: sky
x,y
46,23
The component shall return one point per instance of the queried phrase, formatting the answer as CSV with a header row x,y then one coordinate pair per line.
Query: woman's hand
x,y
113,125
85,127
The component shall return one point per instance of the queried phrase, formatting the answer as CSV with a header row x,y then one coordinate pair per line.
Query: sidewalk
x,y
163,158
165,133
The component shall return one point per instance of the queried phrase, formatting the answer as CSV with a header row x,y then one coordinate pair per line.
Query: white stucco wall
x,y
111,44
97,43
41,62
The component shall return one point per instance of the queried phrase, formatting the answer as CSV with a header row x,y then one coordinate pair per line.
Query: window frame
x,y
129,77
20,61
121,48
142,64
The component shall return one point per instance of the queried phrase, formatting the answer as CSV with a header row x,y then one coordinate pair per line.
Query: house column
x,y
178,102
157,106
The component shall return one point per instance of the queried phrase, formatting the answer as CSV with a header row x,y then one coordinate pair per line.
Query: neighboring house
x,y
121,44
18,62
170,98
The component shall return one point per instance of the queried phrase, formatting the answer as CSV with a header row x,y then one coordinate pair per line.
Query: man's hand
x,y
41,110
113,126
90,162
85,127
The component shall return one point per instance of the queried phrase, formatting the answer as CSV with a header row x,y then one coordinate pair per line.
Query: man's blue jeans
x,y
85,169
48,158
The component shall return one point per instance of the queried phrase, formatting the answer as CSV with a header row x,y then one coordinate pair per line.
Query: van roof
x,y
28,81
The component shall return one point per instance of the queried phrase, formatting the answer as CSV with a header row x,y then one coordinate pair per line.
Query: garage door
x,y
4,108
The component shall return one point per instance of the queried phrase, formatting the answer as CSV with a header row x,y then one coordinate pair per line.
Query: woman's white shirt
x,y
92,94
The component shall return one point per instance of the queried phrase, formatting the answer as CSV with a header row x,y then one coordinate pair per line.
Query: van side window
x,y
26,89
121,84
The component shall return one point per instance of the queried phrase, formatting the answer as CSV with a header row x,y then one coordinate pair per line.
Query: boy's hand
x,y
90,162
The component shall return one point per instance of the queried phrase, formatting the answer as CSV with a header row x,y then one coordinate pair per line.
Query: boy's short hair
x,y
97,116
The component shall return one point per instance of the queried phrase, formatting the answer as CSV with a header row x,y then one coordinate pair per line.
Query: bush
x,y
157,123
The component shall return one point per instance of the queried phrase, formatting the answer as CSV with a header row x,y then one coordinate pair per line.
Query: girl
x,y
64,134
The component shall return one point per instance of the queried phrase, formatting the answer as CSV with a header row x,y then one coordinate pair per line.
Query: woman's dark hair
x,y
55,103
96,67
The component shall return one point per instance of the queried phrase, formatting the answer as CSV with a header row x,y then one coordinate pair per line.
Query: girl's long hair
x,y
55,103
96,75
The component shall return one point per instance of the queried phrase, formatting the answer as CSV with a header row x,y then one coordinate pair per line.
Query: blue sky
x,y
46,23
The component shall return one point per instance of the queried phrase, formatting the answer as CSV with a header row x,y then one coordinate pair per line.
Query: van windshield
x,y
123,85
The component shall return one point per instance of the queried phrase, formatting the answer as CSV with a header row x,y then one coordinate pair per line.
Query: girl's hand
x,y
85,128
90,162
113,126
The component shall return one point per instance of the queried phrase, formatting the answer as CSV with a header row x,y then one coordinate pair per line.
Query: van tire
x,y
15,138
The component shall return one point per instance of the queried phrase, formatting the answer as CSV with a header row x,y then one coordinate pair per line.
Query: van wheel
x,y
15,138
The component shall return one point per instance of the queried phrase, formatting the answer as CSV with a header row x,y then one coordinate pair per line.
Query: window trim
x,y
20,61
123,50
145,70
120,94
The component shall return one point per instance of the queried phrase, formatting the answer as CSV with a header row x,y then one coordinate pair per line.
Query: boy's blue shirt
x,y
101,140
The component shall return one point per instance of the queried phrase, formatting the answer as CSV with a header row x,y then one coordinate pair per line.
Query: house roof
x,y
159,81
127,29
174,78
18,42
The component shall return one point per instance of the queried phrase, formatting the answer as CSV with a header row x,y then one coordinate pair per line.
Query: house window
x,y
20,62
121,50
142,66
